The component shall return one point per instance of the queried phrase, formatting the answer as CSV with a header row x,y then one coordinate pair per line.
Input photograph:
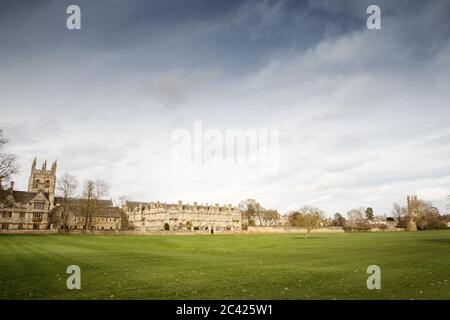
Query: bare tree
x,y
399,212
67,186
271,217
250,210
101,189
356,217
93,191
8,165
307,217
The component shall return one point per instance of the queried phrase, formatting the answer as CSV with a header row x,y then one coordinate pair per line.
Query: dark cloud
x,y
362,114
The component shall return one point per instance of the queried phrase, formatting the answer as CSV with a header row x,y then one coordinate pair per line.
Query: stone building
x,y
102,215
155,216
29,209
24,210
39,208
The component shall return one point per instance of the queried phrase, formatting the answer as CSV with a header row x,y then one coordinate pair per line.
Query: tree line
x,y
88,200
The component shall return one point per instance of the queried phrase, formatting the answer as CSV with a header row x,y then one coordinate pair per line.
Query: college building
x,y
156,216
39,208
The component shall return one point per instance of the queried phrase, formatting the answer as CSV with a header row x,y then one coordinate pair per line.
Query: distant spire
x,y
44,165
33,166
54,164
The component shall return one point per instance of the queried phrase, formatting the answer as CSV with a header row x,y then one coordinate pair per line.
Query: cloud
x,y
363,115
434,193
173,88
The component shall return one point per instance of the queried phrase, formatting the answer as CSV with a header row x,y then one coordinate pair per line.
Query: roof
x,y
80,211
19,196
133,204
79,201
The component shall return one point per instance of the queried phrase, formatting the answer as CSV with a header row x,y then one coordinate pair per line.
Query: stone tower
x,y
42,179
413,210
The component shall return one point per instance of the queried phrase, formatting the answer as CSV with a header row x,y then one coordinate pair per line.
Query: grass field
x,y
281,266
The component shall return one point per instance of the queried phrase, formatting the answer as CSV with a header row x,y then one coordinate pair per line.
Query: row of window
x,y
81,219
82,228
20,226
8,215
37,183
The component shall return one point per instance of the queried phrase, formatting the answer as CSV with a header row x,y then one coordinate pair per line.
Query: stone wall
x,y
27,231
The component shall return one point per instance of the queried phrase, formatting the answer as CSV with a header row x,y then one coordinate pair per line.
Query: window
x,y
36,183
6,215
20,226
39,205
22,215
47,184
36,215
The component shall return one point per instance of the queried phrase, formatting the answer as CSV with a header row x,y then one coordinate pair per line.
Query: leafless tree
x,y
8,165
93,191
67,186
356,217
398,211
251,209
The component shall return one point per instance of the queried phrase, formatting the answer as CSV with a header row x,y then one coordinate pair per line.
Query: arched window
x,y
47,184
36,183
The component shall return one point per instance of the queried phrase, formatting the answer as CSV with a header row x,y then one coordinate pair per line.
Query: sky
x,y
362,115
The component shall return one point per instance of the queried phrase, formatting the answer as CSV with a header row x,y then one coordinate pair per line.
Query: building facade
x,y
24,210
39,208
156,216
102,215
29,209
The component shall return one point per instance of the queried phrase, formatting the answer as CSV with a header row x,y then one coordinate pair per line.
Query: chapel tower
x,y
42,179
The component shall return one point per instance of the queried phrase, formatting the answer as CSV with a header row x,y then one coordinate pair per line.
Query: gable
x,y
40,197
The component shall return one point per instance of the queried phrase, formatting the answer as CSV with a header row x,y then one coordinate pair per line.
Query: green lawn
x,y
281,266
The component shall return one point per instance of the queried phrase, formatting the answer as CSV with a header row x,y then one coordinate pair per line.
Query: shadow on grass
x,y
445,241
